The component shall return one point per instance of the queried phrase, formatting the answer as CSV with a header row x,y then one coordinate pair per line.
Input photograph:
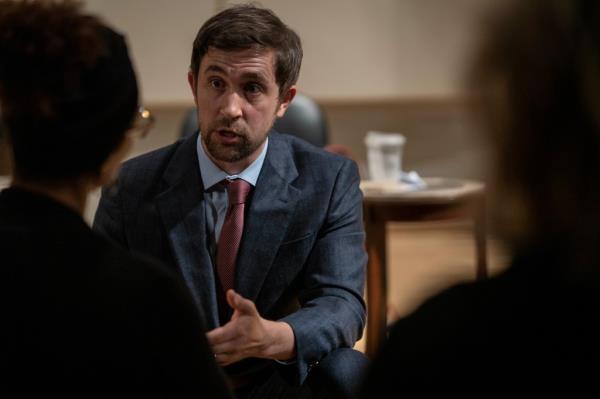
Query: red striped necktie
x,y
231,232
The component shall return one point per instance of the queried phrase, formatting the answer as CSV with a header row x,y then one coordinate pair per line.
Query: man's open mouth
x,y
227,133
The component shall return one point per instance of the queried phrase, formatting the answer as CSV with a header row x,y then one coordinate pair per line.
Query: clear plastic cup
x,y
384,155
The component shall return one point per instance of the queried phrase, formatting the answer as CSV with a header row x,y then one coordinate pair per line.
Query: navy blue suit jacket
x,y
302,257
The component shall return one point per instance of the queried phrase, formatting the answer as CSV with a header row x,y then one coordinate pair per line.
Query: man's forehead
x,y
256,51
262,60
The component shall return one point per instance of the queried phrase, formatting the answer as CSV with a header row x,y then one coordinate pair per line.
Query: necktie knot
x,y
237,191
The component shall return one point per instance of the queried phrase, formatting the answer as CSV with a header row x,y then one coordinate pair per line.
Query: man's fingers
x,y
226,347
225,359
239,303
222,334
235,340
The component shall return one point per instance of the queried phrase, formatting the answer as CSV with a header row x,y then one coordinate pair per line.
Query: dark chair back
x,y
304,118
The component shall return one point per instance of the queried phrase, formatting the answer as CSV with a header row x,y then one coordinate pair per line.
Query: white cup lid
x,y
380,139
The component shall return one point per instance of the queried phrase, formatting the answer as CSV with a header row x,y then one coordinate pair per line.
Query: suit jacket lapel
x,y
266,222
181,207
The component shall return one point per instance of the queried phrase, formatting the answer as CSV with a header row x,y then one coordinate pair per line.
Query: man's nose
x,y
232,104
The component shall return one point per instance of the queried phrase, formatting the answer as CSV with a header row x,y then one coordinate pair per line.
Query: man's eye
x,y
253,88
216,83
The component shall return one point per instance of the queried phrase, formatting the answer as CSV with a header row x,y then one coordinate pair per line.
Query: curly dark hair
x,y
68,91
247,26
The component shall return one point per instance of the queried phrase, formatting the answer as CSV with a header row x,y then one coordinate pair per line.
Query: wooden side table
x,y
443,199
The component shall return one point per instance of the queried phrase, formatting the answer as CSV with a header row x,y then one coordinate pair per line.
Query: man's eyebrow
x,y
255,76
214,68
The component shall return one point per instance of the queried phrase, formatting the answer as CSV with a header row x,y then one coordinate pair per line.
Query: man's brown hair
x,y
247,26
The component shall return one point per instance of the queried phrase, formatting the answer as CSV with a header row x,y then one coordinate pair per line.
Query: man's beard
x,y
230,152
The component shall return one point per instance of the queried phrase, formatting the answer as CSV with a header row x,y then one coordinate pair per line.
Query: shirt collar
x,y
212,174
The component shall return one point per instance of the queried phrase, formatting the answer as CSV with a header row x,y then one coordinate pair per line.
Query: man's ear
x,y
285,103
192,82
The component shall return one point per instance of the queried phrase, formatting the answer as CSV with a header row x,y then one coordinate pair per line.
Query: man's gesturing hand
x,y
247,334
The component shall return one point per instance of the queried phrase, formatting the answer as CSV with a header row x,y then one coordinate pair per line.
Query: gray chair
x,y
304,118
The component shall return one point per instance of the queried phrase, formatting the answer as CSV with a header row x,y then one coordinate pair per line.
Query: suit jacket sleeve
x,y
108,218
332,313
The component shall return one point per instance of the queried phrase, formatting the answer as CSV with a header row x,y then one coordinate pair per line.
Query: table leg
x,y
480,238
376,284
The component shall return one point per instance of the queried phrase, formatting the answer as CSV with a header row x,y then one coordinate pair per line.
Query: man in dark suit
x,y
81,317
281,282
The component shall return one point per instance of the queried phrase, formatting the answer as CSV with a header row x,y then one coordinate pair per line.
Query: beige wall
x,y
160,35
354,49
365,49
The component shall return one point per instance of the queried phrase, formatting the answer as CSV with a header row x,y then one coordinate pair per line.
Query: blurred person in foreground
x,y
265,228
533,328
81,317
